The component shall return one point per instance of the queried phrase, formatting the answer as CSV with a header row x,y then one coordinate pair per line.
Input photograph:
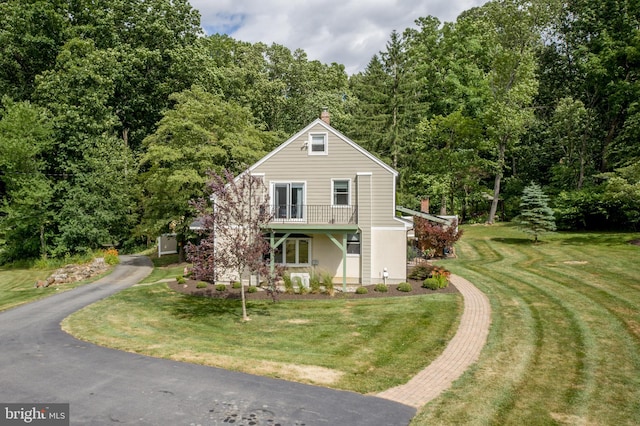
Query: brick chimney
x,y
424,205
325,116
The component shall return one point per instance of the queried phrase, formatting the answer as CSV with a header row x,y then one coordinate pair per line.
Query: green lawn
x,y
364,345
564,346
17,284
165,267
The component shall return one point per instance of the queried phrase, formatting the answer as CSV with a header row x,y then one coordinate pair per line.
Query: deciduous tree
x,y
232,228
202,133
25,189
435,236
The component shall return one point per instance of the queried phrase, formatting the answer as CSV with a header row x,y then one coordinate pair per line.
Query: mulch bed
x,y
230,293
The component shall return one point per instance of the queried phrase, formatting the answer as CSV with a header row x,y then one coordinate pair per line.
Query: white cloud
x,y
349,32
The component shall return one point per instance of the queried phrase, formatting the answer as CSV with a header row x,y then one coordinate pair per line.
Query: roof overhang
x,y
312,228
427,216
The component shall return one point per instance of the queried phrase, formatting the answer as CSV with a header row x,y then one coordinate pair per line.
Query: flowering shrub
x,y
111,257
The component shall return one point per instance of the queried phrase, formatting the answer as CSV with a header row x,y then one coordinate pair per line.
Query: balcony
x,y
314,214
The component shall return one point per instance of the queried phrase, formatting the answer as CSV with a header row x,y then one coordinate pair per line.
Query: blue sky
x,y
349,32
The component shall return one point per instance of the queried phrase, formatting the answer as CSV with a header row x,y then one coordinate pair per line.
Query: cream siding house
x,y
333,206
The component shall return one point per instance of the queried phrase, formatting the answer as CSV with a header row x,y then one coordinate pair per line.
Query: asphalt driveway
x,y
39,363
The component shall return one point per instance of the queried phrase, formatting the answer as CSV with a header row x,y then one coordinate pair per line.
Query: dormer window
x,y
318,144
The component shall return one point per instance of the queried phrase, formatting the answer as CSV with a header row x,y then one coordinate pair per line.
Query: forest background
x,y
112,112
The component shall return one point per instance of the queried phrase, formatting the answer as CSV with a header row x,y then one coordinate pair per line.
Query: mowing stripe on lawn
x,y
578,320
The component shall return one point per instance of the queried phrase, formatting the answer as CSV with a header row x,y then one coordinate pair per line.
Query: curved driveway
x,y
41,363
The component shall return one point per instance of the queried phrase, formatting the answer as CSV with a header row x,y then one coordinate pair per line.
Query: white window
x,y
318,144
294,251
341,192
353,243
288,200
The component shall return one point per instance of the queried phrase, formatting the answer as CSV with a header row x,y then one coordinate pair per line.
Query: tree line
x,y
112,112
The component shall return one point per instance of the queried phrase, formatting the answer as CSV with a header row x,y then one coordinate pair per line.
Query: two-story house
x,y
333,208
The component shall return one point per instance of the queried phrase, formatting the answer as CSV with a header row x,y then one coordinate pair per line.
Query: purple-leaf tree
x,y
231,220
434,235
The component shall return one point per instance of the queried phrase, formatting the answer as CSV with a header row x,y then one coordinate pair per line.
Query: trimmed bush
x,y
381,288
405,287
201,284
221,287
362,290
181,280
252,289
431,283
236,284
436,281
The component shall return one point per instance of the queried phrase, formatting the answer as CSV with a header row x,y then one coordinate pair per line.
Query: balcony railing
x,y
314,214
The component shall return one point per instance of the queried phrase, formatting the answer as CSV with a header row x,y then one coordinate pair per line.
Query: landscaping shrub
x,y
201,284
362,290
236,284
314,284
221,287
381,288
436,281
301,288
252,289
327,282
421,271
405,287
431,283
424,270
180,279
288,284
111,257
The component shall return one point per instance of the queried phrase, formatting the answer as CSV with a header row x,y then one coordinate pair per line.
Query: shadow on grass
x,y
200,307
596,239
515,241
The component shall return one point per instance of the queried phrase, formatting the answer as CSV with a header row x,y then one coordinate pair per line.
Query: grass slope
x,y
564,346
17,286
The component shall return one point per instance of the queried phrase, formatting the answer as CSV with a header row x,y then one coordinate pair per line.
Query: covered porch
x,y
337,233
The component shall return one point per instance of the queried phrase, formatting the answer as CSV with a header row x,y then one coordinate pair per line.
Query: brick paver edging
x,y
462,351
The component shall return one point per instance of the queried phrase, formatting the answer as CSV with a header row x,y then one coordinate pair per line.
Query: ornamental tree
x,y
232,219
536,217
435,236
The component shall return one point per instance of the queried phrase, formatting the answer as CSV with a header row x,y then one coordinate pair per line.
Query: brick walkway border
x,y
462,351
